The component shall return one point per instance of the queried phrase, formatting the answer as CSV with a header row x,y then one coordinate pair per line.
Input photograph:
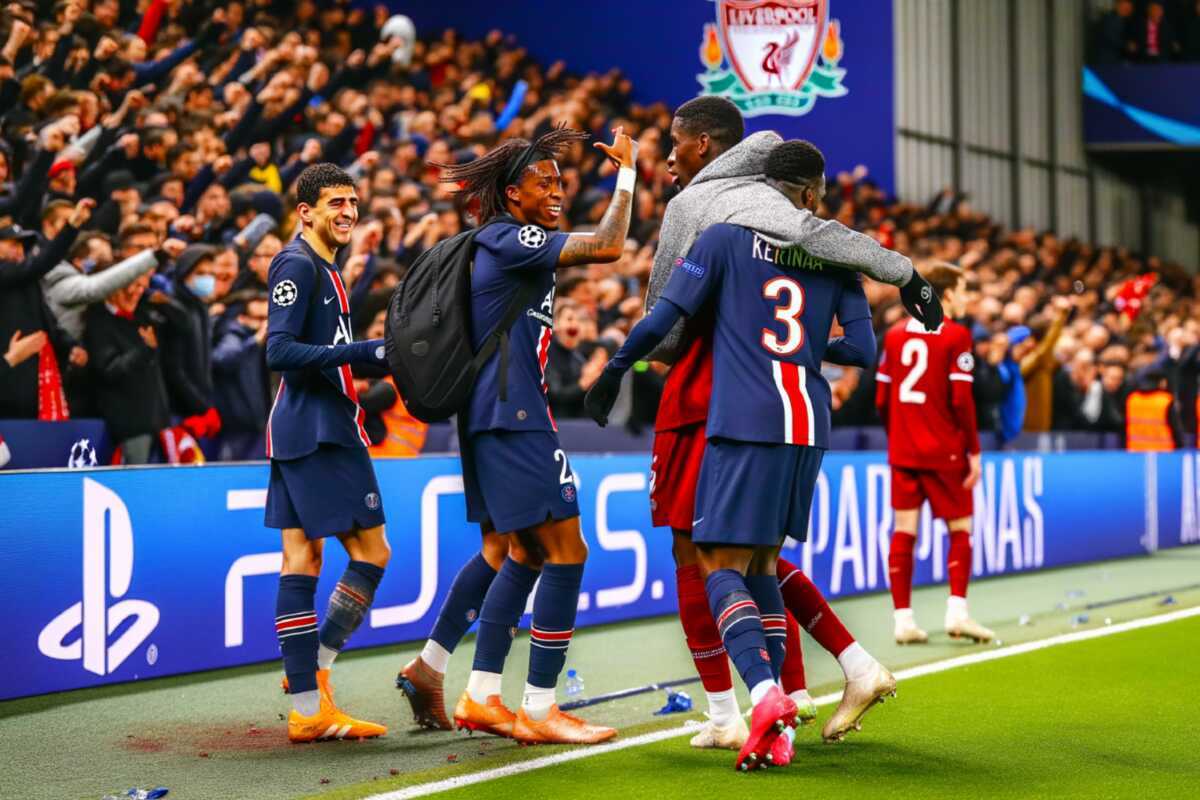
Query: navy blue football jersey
x,y
311,343
774,309
506,254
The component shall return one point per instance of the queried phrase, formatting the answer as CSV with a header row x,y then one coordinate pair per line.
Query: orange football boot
x,y
494,717
559,727
330,722
323,685
422,685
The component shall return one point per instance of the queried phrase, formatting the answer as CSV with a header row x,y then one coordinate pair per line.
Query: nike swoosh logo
x,y
696,522
328,300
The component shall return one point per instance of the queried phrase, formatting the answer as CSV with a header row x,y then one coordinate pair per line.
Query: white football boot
x,y
861,694
959,624
722,737
906,630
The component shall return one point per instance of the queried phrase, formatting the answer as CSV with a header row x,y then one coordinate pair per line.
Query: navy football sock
x,y
461,607
764,589
348,605
554,608
501,611
740,626
296,627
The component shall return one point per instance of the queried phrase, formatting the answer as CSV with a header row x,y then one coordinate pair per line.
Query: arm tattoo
x,y
608,242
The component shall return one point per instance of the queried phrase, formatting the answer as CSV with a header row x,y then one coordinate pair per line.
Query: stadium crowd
x,y
1147,31
147,155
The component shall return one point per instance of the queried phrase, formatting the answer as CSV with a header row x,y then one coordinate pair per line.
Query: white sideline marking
x,y
691,726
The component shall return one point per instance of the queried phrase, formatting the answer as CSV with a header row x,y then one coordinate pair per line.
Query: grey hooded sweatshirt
x,y
733,189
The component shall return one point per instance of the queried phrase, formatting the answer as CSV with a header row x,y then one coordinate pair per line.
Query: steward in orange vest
x,y
1152,421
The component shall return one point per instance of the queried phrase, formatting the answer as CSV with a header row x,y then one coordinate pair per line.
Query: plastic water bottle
x,y
574,685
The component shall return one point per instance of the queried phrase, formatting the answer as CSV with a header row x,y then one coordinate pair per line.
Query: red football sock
x,y
805,602
708,651
900,568
792,675
958,562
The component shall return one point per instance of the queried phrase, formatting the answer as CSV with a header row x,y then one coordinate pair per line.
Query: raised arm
x,y
607,243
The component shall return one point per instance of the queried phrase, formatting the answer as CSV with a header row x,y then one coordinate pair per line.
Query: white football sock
x,y
856,662
482,685
325,657
956,607
307,704
801,697
904,616
436,656
723,707
537,701
760,691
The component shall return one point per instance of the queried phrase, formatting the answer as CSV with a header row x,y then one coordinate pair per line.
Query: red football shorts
x,y
674,473
942,488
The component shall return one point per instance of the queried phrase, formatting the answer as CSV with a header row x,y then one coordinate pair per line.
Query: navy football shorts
x,y
517,479
327,492
753,494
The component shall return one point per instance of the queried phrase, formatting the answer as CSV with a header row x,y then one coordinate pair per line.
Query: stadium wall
x,y
137,573
989,100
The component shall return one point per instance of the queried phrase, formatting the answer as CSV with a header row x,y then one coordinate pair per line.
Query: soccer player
x,y
723,180
924,396
519,484
768,421
322,482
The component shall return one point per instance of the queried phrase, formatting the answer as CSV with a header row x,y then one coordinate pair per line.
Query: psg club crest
x,y
772,56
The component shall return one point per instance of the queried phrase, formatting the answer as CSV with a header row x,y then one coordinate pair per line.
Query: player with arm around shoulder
x,y
925,398
322,481
768,428
518,481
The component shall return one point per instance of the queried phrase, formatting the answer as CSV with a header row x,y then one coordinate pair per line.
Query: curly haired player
x,y
518,480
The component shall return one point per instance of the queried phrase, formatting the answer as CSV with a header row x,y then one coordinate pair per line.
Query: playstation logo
x,y
107,573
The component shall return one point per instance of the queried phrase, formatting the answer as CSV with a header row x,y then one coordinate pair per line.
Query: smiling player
x,y
519,484
322,482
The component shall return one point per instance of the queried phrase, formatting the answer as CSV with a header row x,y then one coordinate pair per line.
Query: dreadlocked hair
x,y
487,176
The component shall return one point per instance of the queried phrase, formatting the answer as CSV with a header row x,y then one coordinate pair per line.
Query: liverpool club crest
x,y
778,56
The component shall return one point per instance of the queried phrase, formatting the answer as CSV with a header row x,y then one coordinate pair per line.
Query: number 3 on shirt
x,y
915,354
788,312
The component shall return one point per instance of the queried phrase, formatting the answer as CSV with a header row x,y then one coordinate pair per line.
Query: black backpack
x,y
428,337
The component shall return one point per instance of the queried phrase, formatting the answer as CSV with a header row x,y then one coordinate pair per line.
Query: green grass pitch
x,y
1108,717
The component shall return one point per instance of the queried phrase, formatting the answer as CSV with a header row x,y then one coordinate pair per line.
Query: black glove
x,y
922,302
600,398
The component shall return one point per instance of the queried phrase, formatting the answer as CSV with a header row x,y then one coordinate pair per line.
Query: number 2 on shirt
x,y
916,355
788,312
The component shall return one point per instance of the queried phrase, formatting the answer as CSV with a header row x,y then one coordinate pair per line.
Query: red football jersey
x,y
924,395
688,387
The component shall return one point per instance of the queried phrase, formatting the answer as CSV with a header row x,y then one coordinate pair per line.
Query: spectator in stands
x,y
988,387
570,368
1039,366
36,388
1155,35
126,364
1020,343
1189,34
1113,38
394,433
241,381
188,340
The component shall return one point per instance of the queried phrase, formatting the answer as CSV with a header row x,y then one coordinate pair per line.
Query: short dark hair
x,y
317,177
942,276
795,161
716,116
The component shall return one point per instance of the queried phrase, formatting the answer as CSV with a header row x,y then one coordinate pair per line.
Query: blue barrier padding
x,y
134,573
